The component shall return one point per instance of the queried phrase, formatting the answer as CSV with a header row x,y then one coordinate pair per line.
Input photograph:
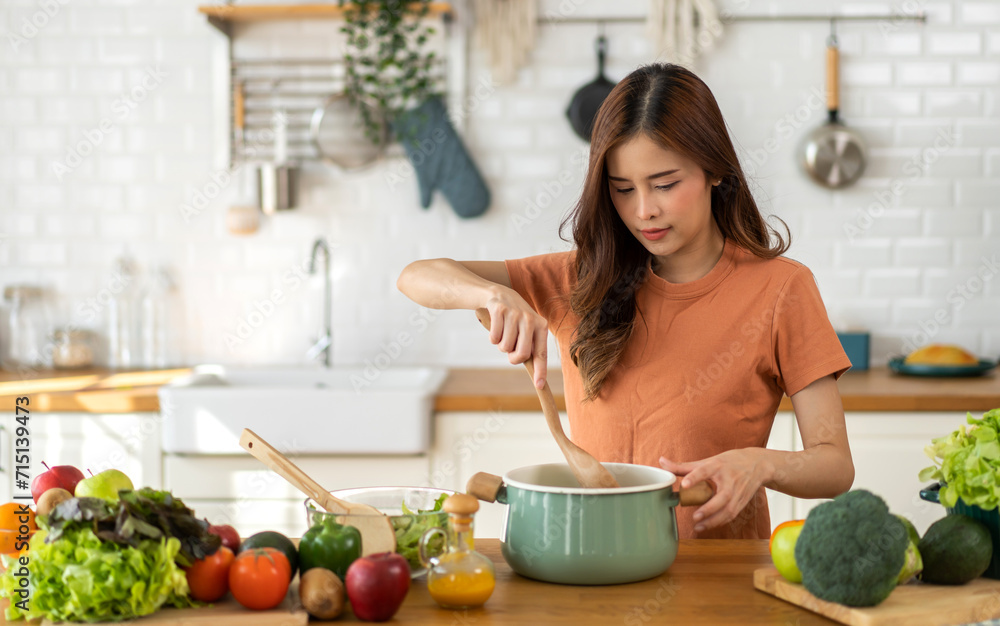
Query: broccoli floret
x,y
851,549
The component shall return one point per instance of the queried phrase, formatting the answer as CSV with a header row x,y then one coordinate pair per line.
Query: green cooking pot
x,y
556,531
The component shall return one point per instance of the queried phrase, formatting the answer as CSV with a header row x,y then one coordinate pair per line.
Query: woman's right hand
x,y
519,332
514,326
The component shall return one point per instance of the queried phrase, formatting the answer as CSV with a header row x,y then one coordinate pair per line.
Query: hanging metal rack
x,y
726,18
294,87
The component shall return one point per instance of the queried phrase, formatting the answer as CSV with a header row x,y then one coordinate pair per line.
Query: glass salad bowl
x,y
411,510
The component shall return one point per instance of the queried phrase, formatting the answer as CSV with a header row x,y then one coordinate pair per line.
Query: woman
x,y
679,323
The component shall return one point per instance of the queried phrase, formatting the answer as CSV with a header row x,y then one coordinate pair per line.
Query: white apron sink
x,y
342,410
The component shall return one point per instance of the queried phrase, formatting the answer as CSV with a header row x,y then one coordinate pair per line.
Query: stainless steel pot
x,y
556,531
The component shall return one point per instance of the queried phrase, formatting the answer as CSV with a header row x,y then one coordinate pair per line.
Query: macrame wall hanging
x,y
506,29
682,29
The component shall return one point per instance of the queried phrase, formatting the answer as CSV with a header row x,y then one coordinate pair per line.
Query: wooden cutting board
x,y
913,604
225,613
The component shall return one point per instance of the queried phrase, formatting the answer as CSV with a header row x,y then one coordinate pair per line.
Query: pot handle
x,y
486,487
694,495
931,493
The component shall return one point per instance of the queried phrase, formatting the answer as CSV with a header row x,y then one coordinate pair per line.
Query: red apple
x,y
64,476
230,538
376,585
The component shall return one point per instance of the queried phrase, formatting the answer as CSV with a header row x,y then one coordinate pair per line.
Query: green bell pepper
x,y
330,545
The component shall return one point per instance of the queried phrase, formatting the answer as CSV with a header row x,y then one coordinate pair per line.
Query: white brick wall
x,y
888,253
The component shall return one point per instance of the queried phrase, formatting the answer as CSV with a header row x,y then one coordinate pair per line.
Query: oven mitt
x,y
440,159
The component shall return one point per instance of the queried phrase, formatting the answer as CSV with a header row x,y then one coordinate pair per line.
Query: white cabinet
x,y
783,437
888,451
94,442
243,492
494,442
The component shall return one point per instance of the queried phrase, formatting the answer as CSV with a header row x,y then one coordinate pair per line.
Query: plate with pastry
x,y
941,360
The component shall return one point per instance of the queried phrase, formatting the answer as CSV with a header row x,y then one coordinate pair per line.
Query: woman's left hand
x,y
736,475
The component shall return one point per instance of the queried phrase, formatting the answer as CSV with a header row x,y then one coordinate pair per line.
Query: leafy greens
x,y
81,578
141,514
96,561
412,525
969,466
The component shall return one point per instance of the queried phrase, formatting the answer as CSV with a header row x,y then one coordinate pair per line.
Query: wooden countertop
x,y
877,389
710,582
89,391
470,389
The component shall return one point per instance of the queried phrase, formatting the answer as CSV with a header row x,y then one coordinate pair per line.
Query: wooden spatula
x,y
588,472
375,527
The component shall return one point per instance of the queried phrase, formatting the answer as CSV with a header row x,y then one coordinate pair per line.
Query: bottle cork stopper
x,y
461,504
461,507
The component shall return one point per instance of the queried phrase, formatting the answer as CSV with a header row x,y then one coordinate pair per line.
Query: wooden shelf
x,y
262,12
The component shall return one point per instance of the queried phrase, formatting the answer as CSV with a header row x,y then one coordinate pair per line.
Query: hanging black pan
x,y
588,99
833,155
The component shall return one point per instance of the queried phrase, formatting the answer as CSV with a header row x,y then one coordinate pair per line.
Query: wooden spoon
x,y
588,472
375,527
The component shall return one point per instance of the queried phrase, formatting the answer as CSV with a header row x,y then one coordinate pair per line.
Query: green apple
x,y
911,530
783,550
913,564
104,484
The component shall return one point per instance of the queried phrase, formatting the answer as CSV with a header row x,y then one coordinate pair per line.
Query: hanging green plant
x,y
389,67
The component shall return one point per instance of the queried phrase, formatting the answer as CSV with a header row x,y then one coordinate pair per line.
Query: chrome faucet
x,y
324,345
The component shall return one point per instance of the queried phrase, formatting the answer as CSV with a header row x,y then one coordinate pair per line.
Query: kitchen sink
x,y
299,410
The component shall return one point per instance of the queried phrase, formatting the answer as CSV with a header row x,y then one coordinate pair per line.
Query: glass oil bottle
x,y
460,578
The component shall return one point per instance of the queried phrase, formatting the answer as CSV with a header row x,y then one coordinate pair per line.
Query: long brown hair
x,y
674,108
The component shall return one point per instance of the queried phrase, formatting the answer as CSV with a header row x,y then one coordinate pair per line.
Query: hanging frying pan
x,y
588,99
834,155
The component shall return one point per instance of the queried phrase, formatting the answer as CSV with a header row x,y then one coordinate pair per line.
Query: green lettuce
x,y
967,463
411,526
81,578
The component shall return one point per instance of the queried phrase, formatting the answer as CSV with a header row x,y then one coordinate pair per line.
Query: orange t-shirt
x,y
705,369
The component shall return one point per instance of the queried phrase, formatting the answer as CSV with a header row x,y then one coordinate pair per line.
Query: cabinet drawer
x,y
246,478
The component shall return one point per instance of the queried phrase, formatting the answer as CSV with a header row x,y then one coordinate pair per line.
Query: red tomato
x,y
208,578
259,578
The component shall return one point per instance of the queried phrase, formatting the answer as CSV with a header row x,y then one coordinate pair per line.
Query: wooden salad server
x,y
377,534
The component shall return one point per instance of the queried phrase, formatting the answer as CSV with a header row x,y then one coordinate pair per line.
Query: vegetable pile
x,y
95,560
967,463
